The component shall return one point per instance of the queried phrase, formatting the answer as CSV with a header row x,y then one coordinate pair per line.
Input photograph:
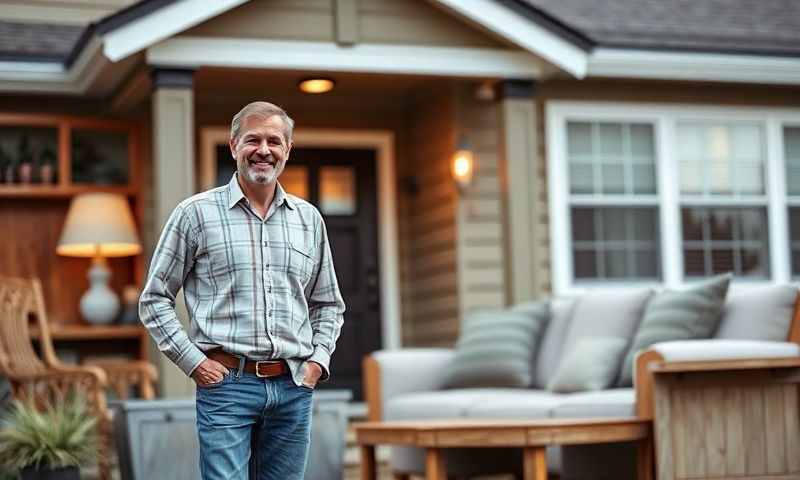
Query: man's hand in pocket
x,y
209,372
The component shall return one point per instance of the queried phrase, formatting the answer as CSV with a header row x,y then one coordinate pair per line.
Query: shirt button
x,y
265,244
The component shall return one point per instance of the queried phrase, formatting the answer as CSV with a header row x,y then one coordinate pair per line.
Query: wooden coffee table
x,y
530,435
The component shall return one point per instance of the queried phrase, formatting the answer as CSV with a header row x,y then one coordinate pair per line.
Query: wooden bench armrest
x,y
652,363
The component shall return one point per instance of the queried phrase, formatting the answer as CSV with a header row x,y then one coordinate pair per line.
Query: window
x,y
791,151
611,173
723,162
649,193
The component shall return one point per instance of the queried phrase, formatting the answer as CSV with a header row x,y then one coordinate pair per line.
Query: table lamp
x,y
99,225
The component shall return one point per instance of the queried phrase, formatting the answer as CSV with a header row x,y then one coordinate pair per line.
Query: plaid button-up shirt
x,y
265,289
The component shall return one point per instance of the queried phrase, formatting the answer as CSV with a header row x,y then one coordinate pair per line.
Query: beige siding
x,y
415,22
308,20
481,257
412,22
431,302
74,12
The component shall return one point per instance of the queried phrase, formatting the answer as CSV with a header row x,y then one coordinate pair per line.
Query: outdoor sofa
x,y
412,384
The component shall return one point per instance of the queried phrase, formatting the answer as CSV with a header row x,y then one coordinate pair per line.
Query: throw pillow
x,y
678,315
496,348
592,365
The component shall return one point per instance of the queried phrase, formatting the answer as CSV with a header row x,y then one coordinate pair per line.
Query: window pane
x,y
585,264
721,159
747,143
581,178
791,149
615,243
794,238
337,195
613,175
579,138
610,139
611,158
644,179
294,180
583,224
99,157
717,240
642,140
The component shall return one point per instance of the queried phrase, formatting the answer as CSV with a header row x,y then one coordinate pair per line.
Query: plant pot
x,y
25,173
44,473
46,174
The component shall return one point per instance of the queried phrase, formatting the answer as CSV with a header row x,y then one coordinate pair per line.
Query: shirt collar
x,y
235,194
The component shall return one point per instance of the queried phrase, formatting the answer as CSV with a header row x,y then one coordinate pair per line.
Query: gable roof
x,y
761,27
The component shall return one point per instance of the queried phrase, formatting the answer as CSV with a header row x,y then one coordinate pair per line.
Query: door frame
x,y
382,141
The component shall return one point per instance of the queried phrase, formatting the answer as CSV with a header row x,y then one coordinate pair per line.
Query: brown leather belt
x,y
264,369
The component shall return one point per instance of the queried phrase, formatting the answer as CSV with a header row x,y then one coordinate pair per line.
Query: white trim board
x,y
195,52
388,241
663,65
663,117
162,24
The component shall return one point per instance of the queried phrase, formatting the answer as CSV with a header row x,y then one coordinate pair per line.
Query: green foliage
x,y
59,436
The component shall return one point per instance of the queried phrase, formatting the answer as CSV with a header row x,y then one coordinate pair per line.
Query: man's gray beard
x,y
259,177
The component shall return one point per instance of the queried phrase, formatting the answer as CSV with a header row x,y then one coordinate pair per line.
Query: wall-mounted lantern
x,y
463,165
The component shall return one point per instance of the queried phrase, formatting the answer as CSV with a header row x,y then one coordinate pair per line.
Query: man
x,y
265,309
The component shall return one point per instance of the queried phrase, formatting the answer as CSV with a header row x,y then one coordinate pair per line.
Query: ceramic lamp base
x,y
99,305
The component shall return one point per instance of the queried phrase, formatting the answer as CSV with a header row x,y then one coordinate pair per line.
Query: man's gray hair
x,y
266,110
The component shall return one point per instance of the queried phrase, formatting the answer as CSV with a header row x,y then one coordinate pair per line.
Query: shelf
x,y
56,191
91,332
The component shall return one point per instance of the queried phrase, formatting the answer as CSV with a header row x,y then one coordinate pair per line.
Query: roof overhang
x,y
139,34
694,66
501,20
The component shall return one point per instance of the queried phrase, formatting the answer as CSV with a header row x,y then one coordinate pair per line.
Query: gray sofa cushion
x,y
497,348
616,402
551,348
607,313
678,315
592,365
520,404
436,404
759,313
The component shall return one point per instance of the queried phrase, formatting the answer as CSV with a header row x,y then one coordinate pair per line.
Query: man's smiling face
x,y
261,149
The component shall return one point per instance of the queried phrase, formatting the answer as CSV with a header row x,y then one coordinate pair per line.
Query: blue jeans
x,y
270,417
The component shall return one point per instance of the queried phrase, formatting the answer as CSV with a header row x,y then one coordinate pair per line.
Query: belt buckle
x,y
264,362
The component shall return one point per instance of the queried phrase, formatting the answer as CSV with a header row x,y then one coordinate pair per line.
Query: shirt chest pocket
x,y
301,256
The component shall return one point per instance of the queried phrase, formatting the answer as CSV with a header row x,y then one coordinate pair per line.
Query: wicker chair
x,y
45,380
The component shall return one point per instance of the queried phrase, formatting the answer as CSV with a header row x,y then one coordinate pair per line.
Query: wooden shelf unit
x,y
32,215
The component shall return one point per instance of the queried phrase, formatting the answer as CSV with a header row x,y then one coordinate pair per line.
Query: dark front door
x,y
341,184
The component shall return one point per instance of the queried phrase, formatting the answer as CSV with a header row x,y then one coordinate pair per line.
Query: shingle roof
x,y
769,27
736,26
37,41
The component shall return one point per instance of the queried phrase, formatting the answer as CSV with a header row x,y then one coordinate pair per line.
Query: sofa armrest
x,y
392,372
716,350
704,356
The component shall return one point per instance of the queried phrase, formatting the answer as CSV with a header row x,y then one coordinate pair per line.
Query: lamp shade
x,y
99,225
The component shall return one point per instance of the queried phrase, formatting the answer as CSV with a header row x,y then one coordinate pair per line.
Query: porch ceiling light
x,y
463,165
316,85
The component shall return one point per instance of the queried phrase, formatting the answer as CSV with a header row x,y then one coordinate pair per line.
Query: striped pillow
x,y
497,348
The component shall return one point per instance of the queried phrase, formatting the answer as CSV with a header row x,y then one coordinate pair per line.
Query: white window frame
x,y
791,200
664,118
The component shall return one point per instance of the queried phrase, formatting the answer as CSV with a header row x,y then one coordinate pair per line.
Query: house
x,y
622,141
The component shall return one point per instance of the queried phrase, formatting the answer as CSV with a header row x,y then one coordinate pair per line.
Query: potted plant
x,y
47,161
25,158
48,444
